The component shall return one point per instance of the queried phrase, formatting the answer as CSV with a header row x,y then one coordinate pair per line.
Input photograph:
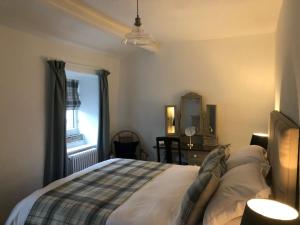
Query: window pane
x,y
70,119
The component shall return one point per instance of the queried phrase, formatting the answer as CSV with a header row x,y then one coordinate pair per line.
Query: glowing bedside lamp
x,y
260,139
269,212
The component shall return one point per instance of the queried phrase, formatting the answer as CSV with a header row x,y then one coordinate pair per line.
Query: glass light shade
x,y
269,212
138,37
273,209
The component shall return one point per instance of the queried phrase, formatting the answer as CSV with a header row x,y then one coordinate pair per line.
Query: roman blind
x,y
73,100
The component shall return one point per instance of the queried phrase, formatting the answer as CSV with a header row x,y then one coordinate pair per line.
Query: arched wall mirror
x,y
191,113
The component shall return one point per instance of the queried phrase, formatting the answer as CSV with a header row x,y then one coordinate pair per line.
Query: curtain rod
x,y
73,63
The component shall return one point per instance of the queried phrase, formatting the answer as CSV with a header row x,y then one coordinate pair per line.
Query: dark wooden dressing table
x,y
193,156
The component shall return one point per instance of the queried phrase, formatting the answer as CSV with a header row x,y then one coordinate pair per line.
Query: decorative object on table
x,y
127,144
260,139
269,212
190,131
137,35
170,120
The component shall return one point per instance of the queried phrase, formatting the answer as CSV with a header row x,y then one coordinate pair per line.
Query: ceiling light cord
x,y
137,36
137,22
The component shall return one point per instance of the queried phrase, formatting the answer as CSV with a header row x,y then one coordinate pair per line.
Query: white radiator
x,y
81,160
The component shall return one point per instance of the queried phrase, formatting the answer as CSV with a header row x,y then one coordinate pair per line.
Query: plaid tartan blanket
x,y
92,197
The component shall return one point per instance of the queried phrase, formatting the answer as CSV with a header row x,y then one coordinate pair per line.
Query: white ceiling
x,y
36,17
167,20
179,20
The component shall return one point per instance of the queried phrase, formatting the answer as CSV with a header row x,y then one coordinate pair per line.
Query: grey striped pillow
x,y
215,158
197,196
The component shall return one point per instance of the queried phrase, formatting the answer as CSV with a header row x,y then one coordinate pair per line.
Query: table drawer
x,y
196,157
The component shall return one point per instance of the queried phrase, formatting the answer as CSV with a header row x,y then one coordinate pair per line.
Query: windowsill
x,y
80,148
75,139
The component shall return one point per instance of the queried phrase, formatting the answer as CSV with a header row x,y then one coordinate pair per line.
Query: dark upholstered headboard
x,y
283,150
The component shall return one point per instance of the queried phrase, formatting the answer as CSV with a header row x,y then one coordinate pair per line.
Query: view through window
x,y
82,110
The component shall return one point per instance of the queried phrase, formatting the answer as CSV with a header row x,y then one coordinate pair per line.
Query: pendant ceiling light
x,y
137,36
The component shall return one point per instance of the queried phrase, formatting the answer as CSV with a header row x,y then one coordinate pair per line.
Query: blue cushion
x,y
126,149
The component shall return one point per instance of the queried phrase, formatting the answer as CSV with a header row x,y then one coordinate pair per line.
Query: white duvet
x,y
155,203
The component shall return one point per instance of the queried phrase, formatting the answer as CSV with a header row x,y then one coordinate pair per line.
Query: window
x,y
74,137
82,111
72,122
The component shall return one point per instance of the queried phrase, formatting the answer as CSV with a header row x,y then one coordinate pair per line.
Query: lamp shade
x,y
259,139
269,212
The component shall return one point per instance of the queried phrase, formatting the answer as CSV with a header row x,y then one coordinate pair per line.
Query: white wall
x,y
287,82
88,112
236,74
22,103
287,92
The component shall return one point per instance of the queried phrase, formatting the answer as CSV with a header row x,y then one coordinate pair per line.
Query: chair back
x,y
169,147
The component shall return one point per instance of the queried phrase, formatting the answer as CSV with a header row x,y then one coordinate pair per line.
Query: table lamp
x,y
259,139
269,212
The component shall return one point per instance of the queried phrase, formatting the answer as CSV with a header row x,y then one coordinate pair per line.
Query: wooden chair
x,y
127,136
168,147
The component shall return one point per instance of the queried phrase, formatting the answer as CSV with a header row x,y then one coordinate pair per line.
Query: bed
x,y
151,193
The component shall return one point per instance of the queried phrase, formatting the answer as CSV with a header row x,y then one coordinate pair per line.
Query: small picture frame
x,y
171,120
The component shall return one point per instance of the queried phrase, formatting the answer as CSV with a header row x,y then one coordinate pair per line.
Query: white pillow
x,y
249,154
237,186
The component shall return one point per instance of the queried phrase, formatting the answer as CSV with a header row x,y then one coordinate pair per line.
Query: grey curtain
x,y
56,153
103,130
